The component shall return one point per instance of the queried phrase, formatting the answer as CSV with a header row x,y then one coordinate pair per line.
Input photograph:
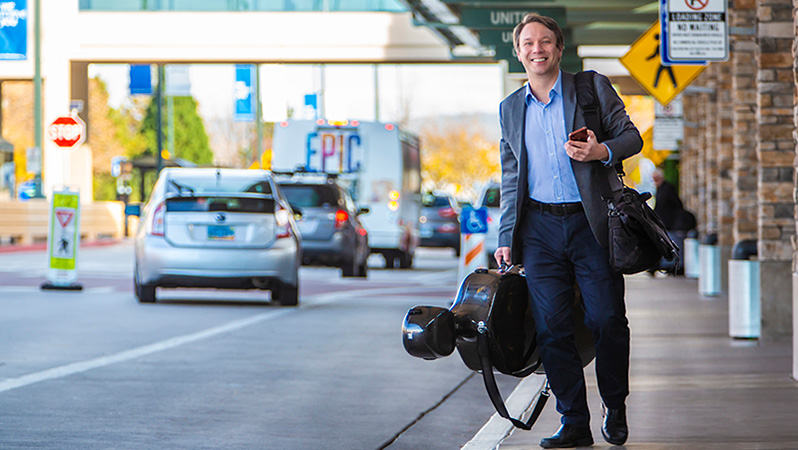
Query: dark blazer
x,y
624,141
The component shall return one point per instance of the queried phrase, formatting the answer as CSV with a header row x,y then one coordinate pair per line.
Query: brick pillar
x,y
724,164
744,165
795,195
776,154
688,155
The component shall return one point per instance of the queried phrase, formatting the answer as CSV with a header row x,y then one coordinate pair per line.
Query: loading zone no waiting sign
x,y
694,31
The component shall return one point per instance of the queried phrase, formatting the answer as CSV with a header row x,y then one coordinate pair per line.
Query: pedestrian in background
x,y
554,222
678,221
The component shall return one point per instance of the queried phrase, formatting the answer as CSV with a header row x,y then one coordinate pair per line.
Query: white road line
x,y
491,435
127,355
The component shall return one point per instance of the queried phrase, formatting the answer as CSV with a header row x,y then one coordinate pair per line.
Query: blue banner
x,y
245,101
140,79
13,30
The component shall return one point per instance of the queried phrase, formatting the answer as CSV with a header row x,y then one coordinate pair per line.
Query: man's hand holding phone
x,y
582,146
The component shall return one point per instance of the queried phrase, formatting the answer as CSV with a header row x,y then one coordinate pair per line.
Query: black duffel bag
x,y
637,237
491,325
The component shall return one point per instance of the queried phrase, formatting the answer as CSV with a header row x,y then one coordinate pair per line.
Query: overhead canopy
x,y
484,27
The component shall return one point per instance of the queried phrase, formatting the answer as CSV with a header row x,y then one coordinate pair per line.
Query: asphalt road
x,y
227,369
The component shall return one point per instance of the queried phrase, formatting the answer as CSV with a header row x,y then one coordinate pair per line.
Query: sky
x,y
424,90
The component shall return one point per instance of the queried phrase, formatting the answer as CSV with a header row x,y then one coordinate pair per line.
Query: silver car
x,y
217,228
490,198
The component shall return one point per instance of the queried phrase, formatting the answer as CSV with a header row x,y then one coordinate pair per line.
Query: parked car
x,y
490,198
440,225
217,228
330,226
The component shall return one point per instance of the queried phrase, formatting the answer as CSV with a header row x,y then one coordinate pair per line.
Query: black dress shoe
x,y
614,430
569,436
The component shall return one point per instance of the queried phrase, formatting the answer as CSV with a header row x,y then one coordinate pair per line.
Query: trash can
x,y
709,266
690,255
744,303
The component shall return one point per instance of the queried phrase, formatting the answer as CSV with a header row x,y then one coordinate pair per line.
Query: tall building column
x,y
775,154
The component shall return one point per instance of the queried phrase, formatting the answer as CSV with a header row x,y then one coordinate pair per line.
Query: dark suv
x,y
440,225
332,234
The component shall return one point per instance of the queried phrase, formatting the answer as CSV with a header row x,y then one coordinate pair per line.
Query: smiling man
x,y
554,222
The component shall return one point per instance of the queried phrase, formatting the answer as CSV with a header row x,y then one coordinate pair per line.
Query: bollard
x,y
709,266
744,301
691,260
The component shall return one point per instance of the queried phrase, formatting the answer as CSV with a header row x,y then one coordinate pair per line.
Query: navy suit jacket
x,y
622,137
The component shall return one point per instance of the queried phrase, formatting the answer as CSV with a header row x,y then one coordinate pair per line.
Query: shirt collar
x,y
556,89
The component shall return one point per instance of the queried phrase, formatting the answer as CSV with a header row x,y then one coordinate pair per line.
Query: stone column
x,y
776,154
724,134
742,18
795,196
689,155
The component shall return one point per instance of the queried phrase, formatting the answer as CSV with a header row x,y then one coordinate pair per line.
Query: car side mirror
x,y
363,210
133,209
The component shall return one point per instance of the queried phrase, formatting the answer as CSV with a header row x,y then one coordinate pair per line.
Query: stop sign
x,y
67,131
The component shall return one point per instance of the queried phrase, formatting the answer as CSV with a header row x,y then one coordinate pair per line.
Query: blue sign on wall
x,y
140,79
474,220
13,30
245,101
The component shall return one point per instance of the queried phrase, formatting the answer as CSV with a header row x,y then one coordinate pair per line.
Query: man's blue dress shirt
x,y
551,177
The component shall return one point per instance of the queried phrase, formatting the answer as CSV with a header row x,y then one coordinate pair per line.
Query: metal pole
x,y
159,139
376,93
38,127
258,116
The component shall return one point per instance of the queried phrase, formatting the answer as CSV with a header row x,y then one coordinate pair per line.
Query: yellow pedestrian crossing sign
x,y
644,64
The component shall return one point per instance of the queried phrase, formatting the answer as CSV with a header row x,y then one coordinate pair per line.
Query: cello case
x,y
491,324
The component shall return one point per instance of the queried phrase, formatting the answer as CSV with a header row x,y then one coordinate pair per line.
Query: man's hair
x,y
546,21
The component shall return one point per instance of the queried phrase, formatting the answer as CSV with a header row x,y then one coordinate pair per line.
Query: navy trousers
x,y
558,252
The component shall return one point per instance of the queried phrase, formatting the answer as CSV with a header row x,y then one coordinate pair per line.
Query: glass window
x,y
435,201
310,195
492,198
194,185
212,204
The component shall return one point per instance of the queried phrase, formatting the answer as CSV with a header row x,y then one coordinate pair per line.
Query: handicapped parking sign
x,y
474,220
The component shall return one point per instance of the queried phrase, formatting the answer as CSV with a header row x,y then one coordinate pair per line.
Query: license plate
x,y
221,233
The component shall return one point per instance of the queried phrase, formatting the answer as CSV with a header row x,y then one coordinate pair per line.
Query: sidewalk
x,y
692,386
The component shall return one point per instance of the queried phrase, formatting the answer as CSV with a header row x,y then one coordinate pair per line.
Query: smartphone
x,y
579,135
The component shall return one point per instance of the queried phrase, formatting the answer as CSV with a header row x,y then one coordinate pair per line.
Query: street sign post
x,y
67,131
694,31
662,81
63,239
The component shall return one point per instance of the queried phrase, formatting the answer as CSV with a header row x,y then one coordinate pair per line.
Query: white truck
x,y
379,165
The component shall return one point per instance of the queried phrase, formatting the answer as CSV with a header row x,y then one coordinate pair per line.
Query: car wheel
x,y
363,269
405,260
145,293
286,294
349,268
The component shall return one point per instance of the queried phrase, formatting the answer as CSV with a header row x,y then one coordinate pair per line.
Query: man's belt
x,y
558,209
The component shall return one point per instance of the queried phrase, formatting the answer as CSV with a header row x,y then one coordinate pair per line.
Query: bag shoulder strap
x,y
493,388
587,99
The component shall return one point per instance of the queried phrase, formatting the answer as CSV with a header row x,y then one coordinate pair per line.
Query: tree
x,y
191,140
458,155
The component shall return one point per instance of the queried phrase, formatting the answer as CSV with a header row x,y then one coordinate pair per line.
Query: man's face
x,y
537,50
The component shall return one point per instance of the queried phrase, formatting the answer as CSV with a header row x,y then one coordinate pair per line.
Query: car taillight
x,y
341,217
283,225
448,228
490,220
362,231
156,224
447,213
